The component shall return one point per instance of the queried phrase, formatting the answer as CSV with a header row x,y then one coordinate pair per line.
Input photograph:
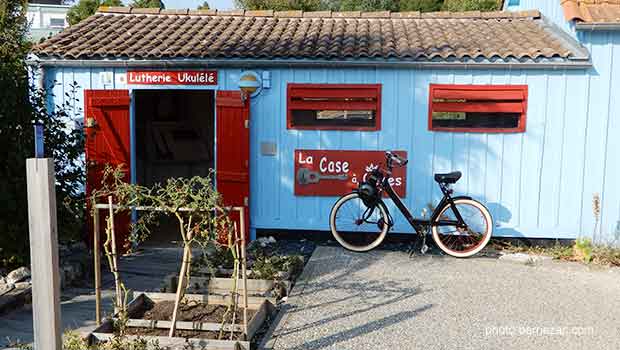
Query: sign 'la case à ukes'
x,y
335,173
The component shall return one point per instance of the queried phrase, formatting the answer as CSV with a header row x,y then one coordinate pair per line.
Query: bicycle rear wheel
x,y
357,227
459,242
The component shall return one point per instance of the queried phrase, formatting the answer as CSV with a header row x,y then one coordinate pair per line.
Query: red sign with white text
x,y
335,173
181,77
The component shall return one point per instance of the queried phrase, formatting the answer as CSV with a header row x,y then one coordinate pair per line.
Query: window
x,y
477,108
57,22
334,107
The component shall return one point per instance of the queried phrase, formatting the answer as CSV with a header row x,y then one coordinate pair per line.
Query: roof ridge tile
x,y
174,12
347,14
145,11
376,14
322,14
288,14
317,14
202,12
258,13
114,9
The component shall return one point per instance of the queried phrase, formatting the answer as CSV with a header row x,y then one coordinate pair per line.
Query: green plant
x,y
596,212
193,202
21,105
582,250
270,267
471,5
370,5
73,341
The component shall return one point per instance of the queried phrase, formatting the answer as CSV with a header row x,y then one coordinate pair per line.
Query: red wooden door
x,y
233,151
106,121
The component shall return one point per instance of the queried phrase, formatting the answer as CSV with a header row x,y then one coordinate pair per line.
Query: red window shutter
x,y
360,97
106,117
233,152
480,99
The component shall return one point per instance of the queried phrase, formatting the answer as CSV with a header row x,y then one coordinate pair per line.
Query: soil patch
x,y
190,311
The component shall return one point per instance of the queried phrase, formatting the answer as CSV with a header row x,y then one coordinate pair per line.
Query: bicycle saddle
x,y
448,178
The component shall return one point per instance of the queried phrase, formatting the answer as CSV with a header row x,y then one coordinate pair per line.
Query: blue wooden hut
x,y
524,102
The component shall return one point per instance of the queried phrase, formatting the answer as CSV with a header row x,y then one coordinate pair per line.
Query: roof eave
x,y
580,52
227,62
598,26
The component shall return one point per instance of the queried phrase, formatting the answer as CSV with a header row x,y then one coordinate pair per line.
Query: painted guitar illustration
x,y
307,176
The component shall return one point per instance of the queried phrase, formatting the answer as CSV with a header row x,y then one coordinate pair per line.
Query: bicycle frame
x,y
434,219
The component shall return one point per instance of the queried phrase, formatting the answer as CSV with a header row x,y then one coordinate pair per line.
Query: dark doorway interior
x,y
174,134
174,138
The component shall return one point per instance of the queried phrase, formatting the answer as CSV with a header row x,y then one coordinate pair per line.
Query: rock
x,y
18,275
264,241
23,285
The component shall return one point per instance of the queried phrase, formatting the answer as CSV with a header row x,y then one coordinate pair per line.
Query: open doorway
x,y
174,138
174,134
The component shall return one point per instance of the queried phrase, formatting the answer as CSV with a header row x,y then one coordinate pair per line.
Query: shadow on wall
x,y
501,218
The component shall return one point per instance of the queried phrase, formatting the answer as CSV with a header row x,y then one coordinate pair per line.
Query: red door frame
x,y
108,141
232,147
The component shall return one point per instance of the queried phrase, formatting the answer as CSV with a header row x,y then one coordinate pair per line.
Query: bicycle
x,y
460,225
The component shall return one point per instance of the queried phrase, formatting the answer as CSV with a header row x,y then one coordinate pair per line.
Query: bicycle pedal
x,y
424,249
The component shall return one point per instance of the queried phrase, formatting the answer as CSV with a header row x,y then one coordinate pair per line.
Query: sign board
x,y
177,77
335,173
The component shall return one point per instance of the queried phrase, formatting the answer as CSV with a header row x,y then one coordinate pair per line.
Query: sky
x,y
192,4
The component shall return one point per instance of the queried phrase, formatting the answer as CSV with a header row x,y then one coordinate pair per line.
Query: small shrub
x,y
582,250
269,268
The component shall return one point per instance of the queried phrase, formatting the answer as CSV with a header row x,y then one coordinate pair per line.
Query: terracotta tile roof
x,y
127,33
592,11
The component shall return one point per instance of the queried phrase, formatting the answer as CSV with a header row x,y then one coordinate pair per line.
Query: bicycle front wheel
x,y
463,242
356,226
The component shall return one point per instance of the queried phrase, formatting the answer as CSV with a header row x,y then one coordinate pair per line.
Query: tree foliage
x,y
147,4
204,6
420,5
279,5
471,5
21,105
85,8
370,5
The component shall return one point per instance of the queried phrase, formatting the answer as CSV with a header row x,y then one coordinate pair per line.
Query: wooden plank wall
x,y
537,184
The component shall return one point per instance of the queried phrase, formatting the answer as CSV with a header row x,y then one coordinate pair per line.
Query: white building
x,y
46,17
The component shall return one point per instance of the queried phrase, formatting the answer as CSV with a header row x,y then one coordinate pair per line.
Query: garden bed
x,y
199,322
273,268
273,289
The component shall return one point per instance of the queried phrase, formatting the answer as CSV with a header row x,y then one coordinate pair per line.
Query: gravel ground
x,y
385,300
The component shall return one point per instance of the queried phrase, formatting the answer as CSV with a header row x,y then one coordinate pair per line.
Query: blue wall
x,y
537,184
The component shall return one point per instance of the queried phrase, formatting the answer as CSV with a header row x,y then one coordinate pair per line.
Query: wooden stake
x,y
235,275
97,267
187,251
114,260
244,273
